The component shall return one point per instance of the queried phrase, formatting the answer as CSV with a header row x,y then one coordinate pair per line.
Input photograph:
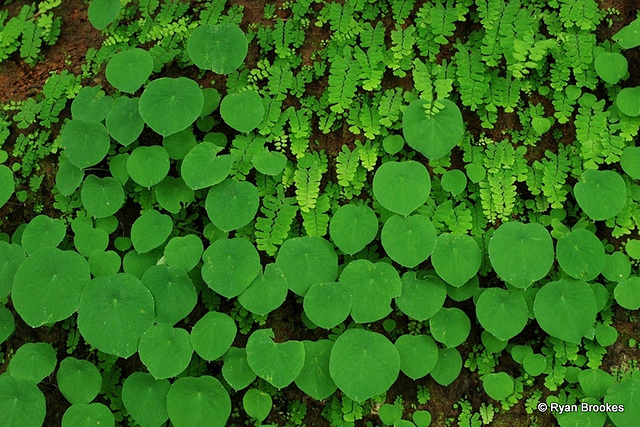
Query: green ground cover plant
x,y
312,212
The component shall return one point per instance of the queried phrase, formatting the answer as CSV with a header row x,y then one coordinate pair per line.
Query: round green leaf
x,y
85,143
94,414
173,194
68,179
7,324
79,381
448,366
202,167
630,161
390,414
456,258
372,287
114,313
353,227
150,230
148,166
235,369
257,404
595,382
145,398
401,187
580,254
327,304
454,181
230,265
269,162
48,285
616,266
392,144
502,313
355,355
193,402
606,335
432,135
170,105
627,293
103,12
232,204
33,362
408,240
633,248
421,298
165,351
422,418
450,326
90,104
179,144
521,253
611,66
306,261
124,122
267,291
626,394
89,240
600,194
104,263
118,167
566,309
498,385
242,111
418,355
11,256
43,232
278,364
102,197
628,101
213,335
128,70
184,251
220,48
173,293
22,404
534,364
315,378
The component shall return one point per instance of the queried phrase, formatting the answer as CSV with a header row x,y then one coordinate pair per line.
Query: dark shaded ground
x,y
19,81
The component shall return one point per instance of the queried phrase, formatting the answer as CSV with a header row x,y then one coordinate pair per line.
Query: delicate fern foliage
x,y
584,14
316,221
547,179
29,30
596,137
347,163
371,65
472,77
343,81
401,9
504,165
402,51
390,106
272,228
363,118
307,179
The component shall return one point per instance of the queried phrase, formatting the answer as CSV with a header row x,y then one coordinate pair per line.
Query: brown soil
x,y
19,81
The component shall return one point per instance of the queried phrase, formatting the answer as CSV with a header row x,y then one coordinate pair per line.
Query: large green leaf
x,y
48,285
114,313
195,402
401,187
277,363
129,69
355,355
566,309
170,105
521,253
432,135
85,143
220,48
600,194
230,265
